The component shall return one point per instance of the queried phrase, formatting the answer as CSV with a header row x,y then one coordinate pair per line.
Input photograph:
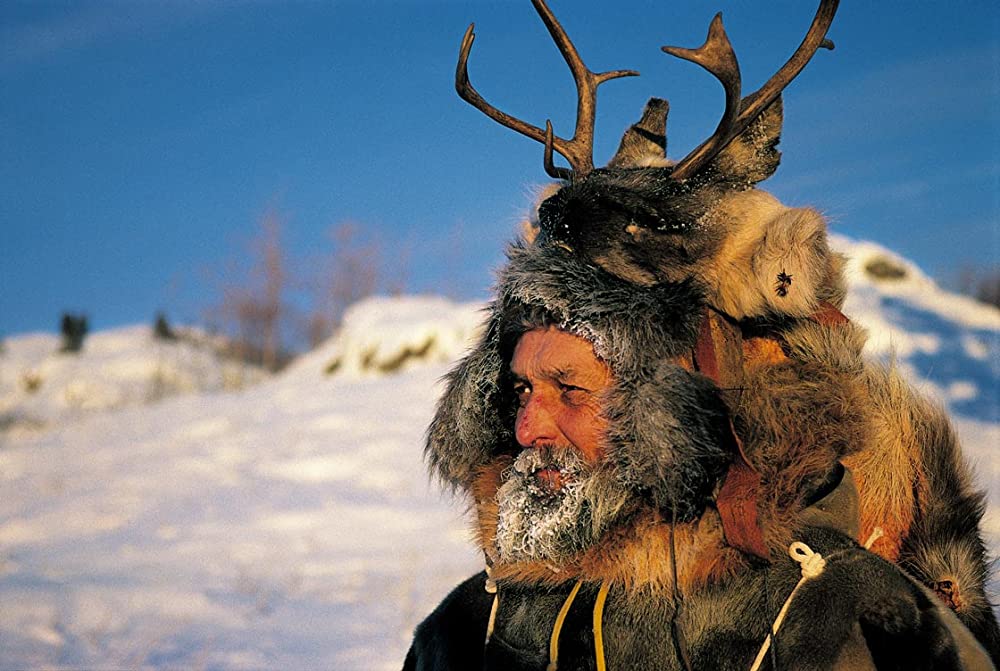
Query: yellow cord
x,y
602,595
494,589
554,641
493,618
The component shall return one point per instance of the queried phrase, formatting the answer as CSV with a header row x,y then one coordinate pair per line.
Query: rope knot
x,y
491,584
812,563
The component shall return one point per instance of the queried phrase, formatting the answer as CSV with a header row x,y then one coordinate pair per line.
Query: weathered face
x,y
554,500
559,384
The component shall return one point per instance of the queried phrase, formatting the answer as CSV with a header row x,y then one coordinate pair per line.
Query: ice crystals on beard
x,y
535,524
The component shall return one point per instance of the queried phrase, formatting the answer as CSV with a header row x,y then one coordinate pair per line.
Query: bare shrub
x,y
74,329
882,268
162,329
268,311
253,307
353,270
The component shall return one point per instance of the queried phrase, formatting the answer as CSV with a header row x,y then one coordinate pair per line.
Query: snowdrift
x,y
40,385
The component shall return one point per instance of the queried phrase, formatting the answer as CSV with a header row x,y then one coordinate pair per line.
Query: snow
x,y
290,523
947,344
40,385
388,335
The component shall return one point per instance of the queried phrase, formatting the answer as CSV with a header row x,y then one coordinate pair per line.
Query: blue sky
x,y
141,142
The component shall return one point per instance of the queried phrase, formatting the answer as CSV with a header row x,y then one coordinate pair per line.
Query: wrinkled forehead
x,y
553,352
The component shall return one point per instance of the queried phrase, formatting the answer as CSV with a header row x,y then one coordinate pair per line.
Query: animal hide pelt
x,y
741,417
669,444
814,399
890,623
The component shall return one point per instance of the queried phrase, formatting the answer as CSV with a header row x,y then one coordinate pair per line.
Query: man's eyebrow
x,y
562,373
555,373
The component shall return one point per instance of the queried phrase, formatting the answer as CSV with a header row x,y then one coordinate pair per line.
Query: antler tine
x,y
550,167
717,56
470,95
815,39
752,106
579,150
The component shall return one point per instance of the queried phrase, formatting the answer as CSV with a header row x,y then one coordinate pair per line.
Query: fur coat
x,y
791,365
676,582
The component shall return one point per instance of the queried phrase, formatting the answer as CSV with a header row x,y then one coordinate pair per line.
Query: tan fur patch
x,y
887,469
888,462
774,259
743,216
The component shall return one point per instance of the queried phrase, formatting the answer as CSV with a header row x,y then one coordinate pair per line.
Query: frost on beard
x,y
537,523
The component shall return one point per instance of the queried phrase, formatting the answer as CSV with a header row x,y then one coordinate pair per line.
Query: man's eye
x,y
572,393
522,391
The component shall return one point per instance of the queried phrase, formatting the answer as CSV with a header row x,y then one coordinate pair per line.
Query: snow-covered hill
x,y
41,385
949,344
291,525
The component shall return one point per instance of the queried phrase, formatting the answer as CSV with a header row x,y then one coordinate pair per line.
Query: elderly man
x,y
654,428
605,477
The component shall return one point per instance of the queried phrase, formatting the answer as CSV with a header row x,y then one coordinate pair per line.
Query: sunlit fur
x,y
669,443
760,262
765,239
913,480
629,260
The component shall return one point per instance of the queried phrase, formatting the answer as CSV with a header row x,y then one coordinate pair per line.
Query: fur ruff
x,y
635,556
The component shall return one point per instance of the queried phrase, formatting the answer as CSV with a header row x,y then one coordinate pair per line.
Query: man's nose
x,y
535,423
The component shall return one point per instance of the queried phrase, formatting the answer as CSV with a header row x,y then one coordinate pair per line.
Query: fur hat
x,y
669,436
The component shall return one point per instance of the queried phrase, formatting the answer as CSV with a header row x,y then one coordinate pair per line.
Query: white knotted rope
x,y
812,564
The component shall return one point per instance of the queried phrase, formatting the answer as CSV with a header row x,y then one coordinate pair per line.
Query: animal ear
x,y
644,144
753,155
530,227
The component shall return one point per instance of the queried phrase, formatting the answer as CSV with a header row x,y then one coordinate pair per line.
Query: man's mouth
x,y
549,479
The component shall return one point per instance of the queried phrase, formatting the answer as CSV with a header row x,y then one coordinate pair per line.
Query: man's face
x,y
550,497
559,384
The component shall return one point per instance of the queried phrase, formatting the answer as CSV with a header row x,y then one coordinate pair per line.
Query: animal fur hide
x,y
668,447
811,398
735,378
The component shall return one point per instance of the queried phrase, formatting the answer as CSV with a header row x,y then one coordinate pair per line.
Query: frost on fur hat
x,y
662,418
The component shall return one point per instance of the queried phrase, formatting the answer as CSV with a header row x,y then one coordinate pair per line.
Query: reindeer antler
x,y
716,55
579,150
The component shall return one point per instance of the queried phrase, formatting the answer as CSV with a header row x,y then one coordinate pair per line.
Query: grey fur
x,y
669,436
475,415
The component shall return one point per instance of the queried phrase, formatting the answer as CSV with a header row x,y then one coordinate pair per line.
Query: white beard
x,y
535,523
